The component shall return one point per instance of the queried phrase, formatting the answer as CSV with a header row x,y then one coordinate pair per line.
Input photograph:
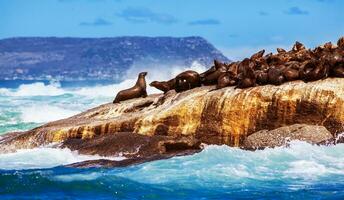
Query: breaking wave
x,y
228,165
55,89
39,158
300,171
44,113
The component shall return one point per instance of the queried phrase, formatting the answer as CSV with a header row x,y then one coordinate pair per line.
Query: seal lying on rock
x,y
164,86
226,79
262,77
211,70
210,78
291,72
275,76
314,70
187,80
139,90
246,78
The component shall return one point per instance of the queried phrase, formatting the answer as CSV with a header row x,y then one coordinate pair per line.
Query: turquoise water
x,y
302,171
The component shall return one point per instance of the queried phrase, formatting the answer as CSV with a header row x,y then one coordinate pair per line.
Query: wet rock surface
x,y
281,136
136,148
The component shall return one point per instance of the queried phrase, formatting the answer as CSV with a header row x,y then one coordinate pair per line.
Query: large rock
x,y
281,136
225,116
135,147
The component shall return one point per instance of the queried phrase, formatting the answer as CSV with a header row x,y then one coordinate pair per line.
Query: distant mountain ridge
x,y
96,58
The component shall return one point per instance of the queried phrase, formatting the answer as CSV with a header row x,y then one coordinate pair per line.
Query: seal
x,y
340,43
291,72
257,55
226,79
337,70
139,90
211,78
275,75
281,50
164,86
187,80
261,77
246,78
211,70
314,70
298,46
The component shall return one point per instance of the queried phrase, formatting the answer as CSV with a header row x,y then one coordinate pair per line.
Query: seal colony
x,y
299,63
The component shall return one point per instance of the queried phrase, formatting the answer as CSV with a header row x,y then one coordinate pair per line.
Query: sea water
x,y
301,171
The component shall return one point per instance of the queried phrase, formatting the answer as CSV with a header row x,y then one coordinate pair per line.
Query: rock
x,y
137,148
224,116
281,136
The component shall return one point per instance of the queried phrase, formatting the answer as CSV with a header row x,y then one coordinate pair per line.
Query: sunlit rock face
x,y
225,116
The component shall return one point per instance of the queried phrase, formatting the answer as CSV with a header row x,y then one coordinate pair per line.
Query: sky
x,y
236,27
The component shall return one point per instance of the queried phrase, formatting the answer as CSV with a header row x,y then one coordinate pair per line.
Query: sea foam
x,y
227,165
39,158
44,113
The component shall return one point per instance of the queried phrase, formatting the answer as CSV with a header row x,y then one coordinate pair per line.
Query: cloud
x,y
96,22
263,13
145,15
204,22
296,11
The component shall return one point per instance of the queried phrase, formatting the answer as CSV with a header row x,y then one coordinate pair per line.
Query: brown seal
x,y
257,55
211,70
275,75
281,50
247,77
313,70
337,70
164,86
211,78
187,80
262,77
298,46
291,72
139,90
340,43
226,79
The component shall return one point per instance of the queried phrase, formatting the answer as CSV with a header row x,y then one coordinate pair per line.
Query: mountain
x,y
96,58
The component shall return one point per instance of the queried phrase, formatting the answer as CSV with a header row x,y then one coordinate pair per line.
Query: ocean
x,y
301,171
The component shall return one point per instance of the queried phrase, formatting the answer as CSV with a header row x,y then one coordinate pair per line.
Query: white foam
x,y
39,89
154,73
44,157
227,165
44,113
78,177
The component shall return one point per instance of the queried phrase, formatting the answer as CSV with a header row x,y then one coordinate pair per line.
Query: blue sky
x,y
235,27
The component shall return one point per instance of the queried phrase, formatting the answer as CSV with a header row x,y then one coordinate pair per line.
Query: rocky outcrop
x,y
135,147
225,116
281,136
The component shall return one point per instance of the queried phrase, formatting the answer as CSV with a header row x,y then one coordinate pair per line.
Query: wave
x,y
44,113
55,89
227,165
34,89
44,157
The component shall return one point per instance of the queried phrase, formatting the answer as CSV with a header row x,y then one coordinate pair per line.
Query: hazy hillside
x,y
96,58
